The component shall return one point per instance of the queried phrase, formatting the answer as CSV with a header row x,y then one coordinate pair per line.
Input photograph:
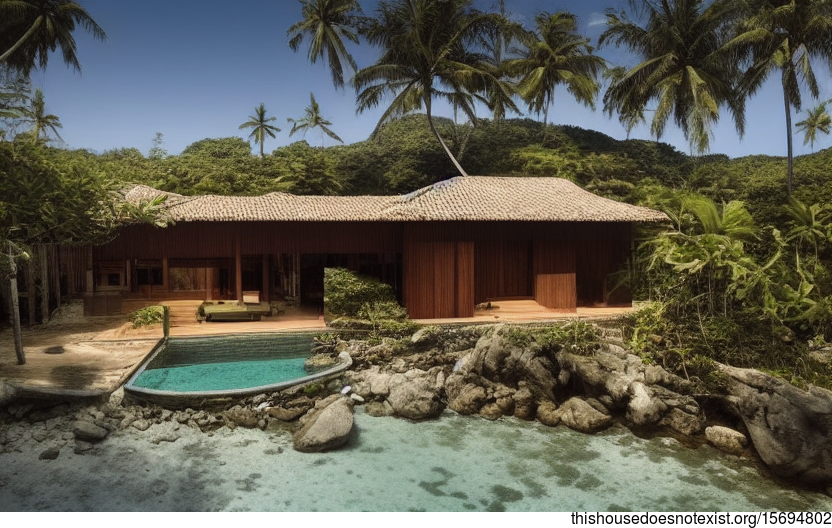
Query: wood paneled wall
x,y
554,275
502,269
438,276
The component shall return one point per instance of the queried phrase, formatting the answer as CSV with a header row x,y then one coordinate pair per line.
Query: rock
x,y
141,424
577,414
51,453
789,427
320,361
379,383
8,393
524,403
423,335
39,436
327,429
415,395
378,409
242,416
166,432
644,408
357,398
286,415
547,413
82,447
491,411
726,439
682,422
88,431
467,400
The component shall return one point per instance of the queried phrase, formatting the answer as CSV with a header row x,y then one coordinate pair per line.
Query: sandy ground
x,y
76,354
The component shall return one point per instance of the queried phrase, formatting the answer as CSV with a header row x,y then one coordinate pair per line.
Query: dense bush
x,y
346,293
147,316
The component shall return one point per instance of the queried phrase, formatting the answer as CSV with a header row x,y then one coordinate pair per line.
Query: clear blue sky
x,y
195,69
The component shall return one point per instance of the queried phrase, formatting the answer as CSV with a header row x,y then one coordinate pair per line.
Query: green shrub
x,y
147,316
346,293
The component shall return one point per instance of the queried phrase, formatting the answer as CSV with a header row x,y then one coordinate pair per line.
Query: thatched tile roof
x,y
471,198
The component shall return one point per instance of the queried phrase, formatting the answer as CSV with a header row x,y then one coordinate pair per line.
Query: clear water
x,y
223,376
455,463
227,362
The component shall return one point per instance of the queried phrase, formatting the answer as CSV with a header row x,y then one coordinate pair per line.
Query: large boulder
x,y
326,428
88,431
644,408
468,399
496,358
8,393
726,439
579,415
416,394
789,427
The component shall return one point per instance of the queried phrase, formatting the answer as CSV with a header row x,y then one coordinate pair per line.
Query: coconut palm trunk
x,y
441,141
789,148
15,309
26,36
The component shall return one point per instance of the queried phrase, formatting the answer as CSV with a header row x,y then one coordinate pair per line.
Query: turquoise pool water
x,y
222,363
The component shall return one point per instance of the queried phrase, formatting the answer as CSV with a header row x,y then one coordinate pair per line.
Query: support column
x,y
128,275
264,290
209,284
238,270
30,290
44,283
165,278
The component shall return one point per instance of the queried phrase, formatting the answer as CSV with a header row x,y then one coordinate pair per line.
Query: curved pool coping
x,y
176,398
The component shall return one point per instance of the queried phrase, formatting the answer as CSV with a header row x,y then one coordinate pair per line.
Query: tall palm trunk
x,y
441,142
788,136
22,39
15,309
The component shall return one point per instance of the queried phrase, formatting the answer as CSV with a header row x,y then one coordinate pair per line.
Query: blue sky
x,y
196,69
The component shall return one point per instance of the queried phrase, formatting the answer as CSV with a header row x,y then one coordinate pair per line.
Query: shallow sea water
x,y
455,463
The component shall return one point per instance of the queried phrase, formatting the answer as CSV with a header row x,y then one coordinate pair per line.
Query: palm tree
x,y
42,123
785,36
555,55
498,43
430,49
686,68
327,23
261,126
33,28
818,120
313,119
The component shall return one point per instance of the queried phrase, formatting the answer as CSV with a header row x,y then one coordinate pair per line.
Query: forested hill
x,y
405,156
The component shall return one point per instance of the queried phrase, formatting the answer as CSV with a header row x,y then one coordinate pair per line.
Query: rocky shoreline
x,y
491,371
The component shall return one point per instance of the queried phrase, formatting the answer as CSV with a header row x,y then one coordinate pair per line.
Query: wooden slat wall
x,y
73,266
438,275
464,279
502,270
554,273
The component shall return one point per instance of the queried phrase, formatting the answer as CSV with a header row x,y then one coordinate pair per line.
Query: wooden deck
x,y
528,311
87,356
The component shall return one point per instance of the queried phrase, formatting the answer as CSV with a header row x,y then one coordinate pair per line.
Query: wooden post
x,y
44,283
264,292
30,289
165,279
128,275
56,274
238,271
209,284
15,309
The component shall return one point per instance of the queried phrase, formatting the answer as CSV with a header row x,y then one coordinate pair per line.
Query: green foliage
x,y
150,315
346,293
577,337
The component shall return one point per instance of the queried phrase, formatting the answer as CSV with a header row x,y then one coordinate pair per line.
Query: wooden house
x,y
443,248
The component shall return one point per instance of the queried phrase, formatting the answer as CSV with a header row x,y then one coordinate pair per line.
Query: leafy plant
x,y
148,316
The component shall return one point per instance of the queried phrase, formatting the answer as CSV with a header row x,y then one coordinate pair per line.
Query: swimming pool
x,y
187,368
